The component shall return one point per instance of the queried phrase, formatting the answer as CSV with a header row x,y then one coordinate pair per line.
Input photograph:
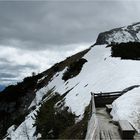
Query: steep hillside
x,y
56,103
16,99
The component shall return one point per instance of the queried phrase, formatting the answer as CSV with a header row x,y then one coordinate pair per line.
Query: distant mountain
x,y
2,87
56,103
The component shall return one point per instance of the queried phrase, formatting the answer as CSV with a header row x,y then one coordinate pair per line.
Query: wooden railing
x,y
92,130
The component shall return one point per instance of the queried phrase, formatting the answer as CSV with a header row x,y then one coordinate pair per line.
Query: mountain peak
x,y
130,33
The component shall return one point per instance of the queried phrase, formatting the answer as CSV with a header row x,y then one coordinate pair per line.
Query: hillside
x,y
16,100
56,103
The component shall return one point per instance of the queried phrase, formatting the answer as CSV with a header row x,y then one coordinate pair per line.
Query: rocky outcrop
x,y
123,34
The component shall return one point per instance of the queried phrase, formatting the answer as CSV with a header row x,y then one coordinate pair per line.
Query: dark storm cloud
x,y
36,25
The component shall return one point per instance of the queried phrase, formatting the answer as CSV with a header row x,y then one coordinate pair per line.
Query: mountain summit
x,y
56,103
129,33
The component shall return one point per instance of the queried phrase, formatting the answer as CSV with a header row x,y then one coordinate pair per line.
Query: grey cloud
x,y
39,25
4,60
7,75
11,73
7,81
15,67
55,25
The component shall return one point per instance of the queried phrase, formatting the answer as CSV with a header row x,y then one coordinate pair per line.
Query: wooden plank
x,y
108,107
127,131
93,130
125,125
114,135
104,135
107,135
93,104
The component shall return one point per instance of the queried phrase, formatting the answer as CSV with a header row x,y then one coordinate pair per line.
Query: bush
x,y
78,130
74,69
130,50
51,122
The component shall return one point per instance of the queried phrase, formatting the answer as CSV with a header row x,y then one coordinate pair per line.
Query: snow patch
x,y
127,107
39,95
26,129
120,36
138,35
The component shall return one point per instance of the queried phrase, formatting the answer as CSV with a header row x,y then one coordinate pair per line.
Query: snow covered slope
x,y
99,73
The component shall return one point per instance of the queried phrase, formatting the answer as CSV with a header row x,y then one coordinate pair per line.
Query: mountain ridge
x,y
118,35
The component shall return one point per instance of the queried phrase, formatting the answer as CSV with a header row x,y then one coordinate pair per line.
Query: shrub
x,y
78,130
51,122
130,50
74,69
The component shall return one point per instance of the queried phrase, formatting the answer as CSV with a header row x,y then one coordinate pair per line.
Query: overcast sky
x,y
34,35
